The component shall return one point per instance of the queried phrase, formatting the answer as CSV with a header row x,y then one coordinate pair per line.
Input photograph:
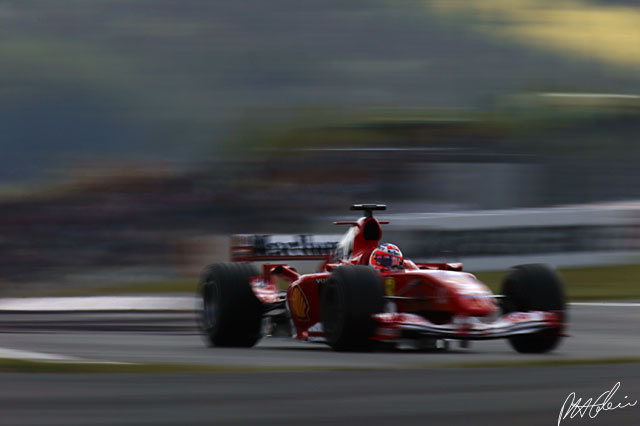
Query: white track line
x,y
8,353
155,303
98,303
35,356
608,304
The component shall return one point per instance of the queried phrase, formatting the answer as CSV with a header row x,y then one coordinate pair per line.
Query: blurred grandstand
x,y
147,221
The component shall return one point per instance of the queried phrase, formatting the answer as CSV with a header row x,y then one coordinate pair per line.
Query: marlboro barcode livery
x,y
367,292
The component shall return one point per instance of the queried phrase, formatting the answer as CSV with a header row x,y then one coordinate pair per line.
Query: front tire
x,y
231,315
534,287
348,299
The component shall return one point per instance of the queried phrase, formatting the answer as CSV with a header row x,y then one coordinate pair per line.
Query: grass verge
x,y
543,362
8,365
587,283
176,285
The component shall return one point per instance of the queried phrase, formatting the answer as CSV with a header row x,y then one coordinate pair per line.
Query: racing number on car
x,y
389,286
299,304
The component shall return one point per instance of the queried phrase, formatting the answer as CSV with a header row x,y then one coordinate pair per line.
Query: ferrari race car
x,y
366,292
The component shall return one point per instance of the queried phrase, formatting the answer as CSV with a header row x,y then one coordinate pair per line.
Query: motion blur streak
x,y
606,31
137,135
452,397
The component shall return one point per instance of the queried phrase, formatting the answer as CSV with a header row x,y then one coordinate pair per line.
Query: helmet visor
x,y
386,260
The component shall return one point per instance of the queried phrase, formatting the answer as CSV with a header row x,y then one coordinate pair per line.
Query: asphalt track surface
x,y
378,388
454,397
596,332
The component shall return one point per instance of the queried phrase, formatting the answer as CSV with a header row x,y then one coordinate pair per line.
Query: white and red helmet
x,y
386,256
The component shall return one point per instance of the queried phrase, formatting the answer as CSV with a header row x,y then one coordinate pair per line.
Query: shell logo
x,y
299,304
389,286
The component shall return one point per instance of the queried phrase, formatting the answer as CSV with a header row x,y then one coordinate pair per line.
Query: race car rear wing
x,y
253,248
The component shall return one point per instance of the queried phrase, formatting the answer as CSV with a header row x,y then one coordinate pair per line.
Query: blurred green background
x,y
158,79
130,128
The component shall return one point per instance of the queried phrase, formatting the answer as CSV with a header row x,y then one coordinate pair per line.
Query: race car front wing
x,y
393,326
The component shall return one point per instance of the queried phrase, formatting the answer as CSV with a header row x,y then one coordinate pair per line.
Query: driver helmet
x,y
386,256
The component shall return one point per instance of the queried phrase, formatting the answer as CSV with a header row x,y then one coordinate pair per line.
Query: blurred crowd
x,y
146,216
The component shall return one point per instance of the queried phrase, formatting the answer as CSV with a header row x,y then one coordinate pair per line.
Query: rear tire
x,y
348,299
534,287
231,315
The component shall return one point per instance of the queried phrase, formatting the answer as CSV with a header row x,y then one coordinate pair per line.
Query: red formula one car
x,y
366,292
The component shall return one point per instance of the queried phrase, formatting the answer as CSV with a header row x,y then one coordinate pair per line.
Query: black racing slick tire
x,y
348,299
231,315
534,287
